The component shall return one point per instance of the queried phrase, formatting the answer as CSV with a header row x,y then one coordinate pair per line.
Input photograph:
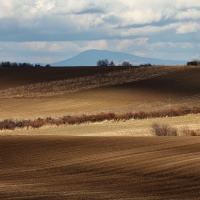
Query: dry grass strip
x,y
9,124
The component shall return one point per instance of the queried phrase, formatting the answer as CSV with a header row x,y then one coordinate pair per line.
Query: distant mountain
x,y
90,58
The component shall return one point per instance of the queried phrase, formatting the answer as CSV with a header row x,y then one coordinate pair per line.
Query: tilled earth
x,y
62,167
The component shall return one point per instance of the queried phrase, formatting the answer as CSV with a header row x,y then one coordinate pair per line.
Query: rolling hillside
x,y
85,161
90,58
174,89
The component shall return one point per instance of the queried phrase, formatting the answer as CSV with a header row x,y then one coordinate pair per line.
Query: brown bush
x,y
37,123
189,132
193,133
7,124
154,114
142,115
92,118
163,130
70,120
100,117
125,116
20,124
128,115
195,110
65,119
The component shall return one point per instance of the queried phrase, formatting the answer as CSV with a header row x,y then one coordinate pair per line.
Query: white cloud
x,y
40,48
126,44
141,54
188,28
189,14
63,28
170,56
148,30
104,15
186,4
45,5
186,45
98,44
179,28
140,17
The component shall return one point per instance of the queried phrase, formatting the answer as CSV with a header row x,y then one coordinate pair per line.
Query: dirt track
x,y
59,167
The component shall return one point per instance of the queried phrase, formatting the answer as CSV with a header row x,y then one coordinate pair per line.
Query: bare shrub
x,y
126,63
163,130
37,123
123,116
188,132
194,133
7,124
184,131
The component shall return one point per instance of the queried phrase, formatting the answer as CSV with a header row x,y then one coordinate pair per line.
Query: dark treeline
x,y
107,63
111,63
14,64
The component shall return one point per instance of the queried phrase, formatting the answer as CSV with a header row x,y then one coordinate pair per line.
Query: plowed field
x,y
58,167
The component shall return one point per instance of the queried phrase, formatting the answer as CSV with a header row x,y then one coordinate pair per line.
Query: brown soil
x,y
59,167
19,76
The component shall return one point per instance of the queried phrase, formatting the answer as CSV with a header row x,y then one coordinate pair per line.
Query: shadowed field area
x,y
152,93
20,76
60,167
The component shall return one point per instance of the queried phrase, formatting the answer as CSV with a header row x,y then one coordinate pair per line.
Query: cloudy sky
x,y
46,31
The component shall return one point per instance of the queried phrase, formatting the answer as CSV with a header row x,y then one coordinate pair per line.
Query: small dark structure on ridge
x,y
194,63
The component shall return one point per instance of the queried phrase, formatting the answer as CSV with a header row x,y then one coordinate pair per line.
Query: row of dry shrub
x,y
12,124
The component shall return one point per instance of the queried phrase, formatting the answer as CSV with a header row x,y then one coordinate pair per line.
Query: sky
x,y
47,31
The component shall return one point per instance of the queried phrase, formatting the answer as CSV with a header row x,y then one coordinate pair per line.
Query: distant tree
x,y
48,65
111,63
14,64
22,64
5,64
194,63
126,63
37,65
26,65
103,62
146,64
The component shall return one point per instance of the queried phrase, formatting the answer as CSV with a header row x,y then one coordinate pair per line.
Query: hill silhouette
x,y
90,58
